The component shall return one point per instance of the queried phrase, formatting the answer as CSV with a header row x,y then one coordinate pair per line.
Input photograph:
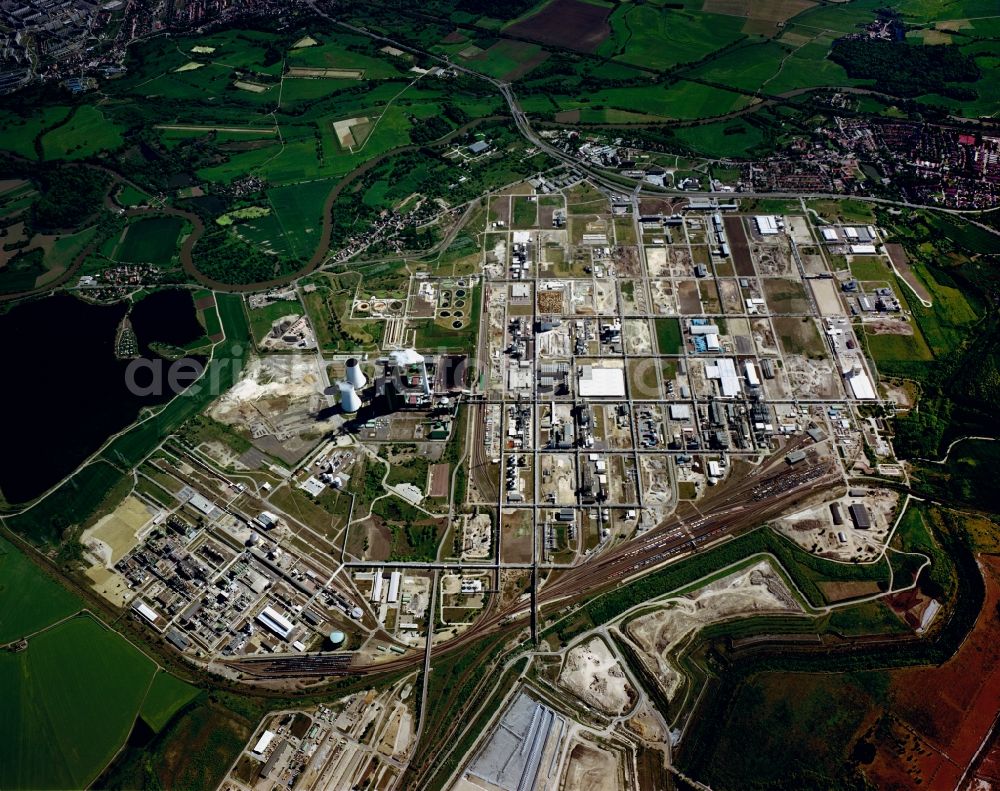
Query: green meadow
x,y
29,600
150,241
73,694
71,698
659,38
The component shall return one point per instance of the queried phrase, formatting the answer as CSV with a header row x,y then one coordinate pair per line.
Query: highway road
x,y
639,189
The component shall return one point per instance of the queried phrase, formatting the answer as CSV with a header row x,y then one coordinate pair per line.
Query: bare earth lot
x,y
592,673
754,590
567,23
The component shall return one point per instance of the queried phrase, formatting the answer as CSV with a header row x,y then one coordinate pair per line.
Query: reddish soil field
x,y
570,24
661,205
987,774
526,65
902,264
739,246
439,480
942,715
841,591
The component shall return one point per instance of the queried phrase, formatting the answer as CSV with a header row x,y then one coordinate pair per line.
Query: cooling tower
x,y
354,375
349,400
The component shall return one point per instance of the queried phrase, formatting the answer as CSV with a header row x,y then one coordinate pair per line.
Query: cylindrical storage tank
x,y
354,375
337,638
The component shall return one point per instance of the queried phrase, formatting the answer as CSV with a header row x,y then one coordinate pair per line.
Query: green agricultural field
x,y
507,59
808,67
22,272
524,212
86,134
266,234
298,209
870,269
130,196
745,68
656,37
250,50
167,695
776,67
70,700
898,348
300,158
837,19
150,241
668,336
18,132
729,139
683,100
29,600
204,84
335,54
846,210
261,319
209,317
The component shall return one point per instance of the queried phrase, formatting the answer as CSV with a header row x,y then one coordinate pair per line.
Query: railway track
x,y
480,466
728,511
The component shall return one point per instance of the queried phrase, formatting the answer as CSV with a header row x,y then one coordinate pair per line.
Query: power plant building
x,y
405,380
276,622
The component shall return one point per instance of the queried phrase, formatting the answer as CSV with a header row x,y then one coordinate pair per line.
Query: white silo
x,y
354,375
350,402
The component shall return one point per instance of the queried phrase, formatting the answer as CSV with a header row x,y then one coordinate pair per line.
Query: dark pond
x,y
64,392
